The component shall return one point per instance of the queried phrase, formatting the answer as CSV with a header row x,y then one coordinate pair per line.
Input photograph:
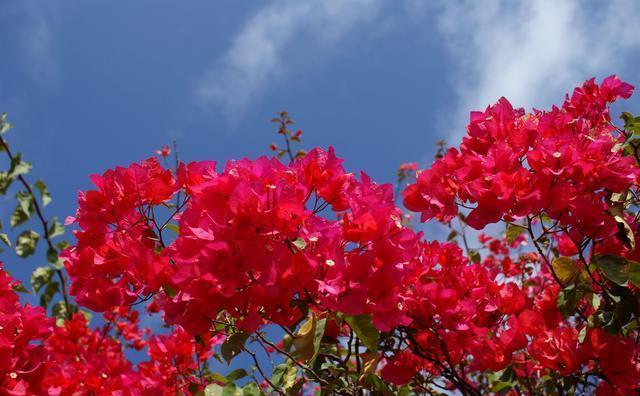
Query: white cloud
x,y
41,58
268,42
31,21
532,52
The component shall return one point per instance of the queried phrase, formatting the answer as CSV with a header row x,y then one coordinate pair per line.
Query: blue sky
x,y
94,84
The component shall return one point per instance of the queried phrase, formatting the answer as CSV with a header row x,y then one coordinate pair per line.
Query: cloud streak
x,y
532,52
279,32
35,49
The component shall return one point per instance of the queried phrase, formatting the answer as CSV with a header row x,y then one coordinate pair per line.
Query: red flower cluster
x,y
41,358
252,239
23,358
566,173
164,151
261,242
513,164
463,316
458,304
115,257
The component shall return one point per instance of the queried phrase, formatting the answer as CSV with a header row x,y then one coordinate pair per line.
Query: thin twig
x,y
45,228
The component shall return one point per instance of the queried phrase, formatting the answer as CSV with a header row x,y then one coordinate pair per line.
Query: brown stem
x,y
257,364
304,367
45,228
539,249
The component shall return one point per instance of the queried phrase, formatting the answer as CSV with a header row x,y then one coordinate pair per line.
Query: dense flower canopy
x,y
514,164
359,299
40,357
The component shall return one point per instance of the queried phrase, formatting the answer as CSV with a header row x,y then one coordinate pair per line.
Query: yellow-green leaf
x,y
363,326
44,192
307,339
566,269
615,268
213,390
300,243
40,277
26,243
513,232
233,345
304,337
625,233
634,273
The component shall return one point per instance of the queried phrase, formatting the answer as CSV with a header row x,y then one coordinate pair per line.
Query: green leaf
x,y
170,291
378,385
363,326
5,182
304,337
251,389
634,273
229,390
284,376
566,269
215,377
87,315
320,326
5,239
4,125
19,288
18,166
59,310
52,255
625,233
404,390
213,390
568,299
25,200
26,243
44,192
173,227
56,228
54,259
369,363
49,292
300,243
308,337
24,210
193,389
296,388
513,232
631,123
233,345
582,334
19,216
596,300
615,268
499,386
474,256
41,276
236,374
278,373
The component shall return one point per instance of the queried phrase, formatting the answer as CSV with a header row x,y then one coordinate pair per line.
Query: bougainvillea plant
x,y
289,275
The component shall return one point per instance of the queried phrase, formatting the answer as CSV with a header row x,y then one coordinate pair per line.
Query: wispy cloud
x,y
532,52
269,43
30,22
